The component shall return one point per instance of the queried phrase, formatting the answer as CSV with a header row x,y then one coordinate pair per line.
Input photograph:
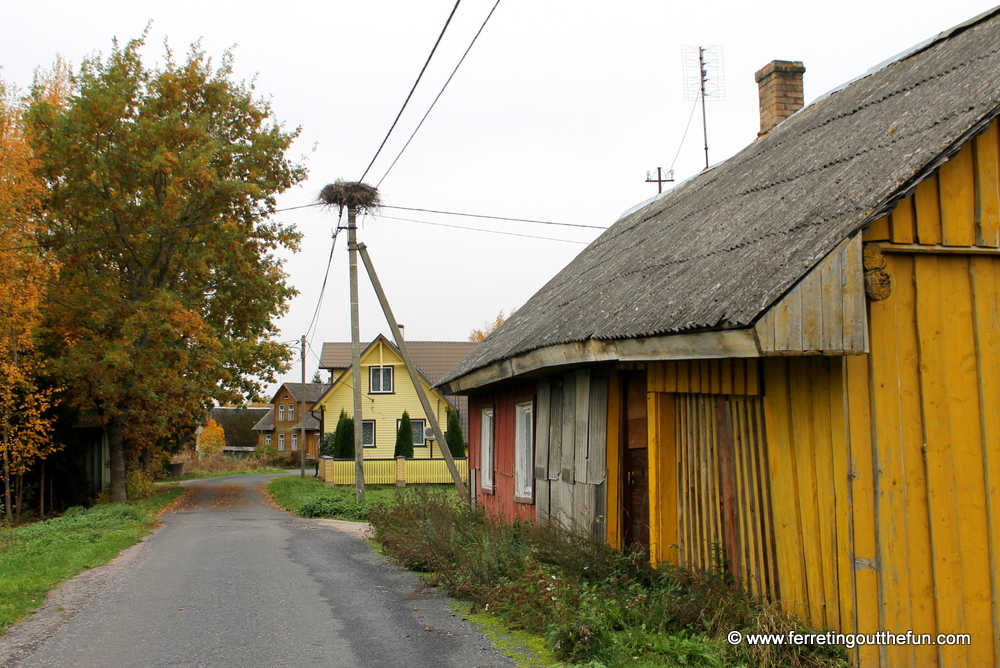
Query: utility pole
x,y
359,453
703,75
659,180
302,412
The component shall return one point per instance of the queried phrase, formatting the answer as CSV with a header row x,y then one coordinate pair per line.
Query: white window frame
x,y
281,442
291,412
281,413
381,382
413,423
295,442
486,464
267,439
365,423
524,451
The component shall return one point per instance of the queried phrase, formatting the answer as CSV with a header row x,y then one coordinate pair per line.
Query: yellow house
x,y
385,393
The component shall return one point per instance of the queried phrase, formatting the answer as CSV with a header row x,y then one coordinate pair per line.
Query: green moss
x,y
526,649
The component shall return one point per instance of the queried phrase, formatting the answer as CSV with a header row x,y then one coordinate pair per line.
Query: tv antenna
x,y
703,78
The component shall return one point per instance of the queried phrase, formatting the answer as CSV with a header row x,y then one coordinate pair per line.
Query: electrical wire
x,y
684,136
326,275
440,93
405,102
479,229
477,215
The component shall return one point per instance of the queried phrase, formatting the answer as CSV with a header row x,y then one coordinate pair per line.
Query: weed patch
x,y
38,557
595,606
310,497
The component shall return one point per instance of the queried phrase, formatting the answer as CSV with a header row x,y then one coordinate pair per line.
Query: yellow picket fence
x,y
389,471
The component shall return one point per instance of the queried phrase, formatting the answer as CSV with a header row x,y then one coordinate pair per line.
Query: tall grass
x,y
38,557
592,603
221,464
310,497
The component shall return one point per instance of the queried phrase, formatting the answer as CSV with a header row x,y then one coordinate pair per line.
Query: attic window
x,y
281,413
381,380
291,411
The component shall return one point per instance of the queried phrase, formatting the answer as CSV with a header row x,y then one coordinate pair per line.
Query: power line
x,y
440,93
477,215
326,275
405,102
479,229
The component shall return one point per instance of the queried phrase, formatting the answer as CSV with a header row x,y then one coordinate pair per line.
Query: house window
x,y
418,432
368,433
486,449
267,440
381,380
281,413
524,428
281,442
295,441
291,411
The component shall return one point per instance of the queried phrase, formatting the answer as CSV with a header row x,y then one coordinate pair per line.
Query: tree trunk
x,y
41,492
116,457
17,502
6,476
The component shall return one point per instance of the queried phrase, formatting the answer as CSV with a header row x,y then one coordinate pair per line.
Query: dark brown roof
x,y
718,250
238,423
267,422
433,358
308,392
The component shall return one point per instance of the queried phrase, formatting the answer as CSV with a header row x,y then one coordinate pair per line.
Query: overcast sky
x,y
556,115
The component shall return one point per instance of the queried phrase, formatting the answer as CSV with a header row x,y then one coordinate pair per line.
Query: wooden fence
x,y
389,471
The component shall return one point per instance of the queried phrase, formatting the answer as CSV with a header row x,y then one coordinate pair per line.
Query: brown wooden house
x,y
795,356
289,423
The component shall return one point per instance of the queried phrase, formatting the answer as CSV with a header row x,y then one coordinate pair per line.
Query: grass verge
x,y
310,497
594,605
38,557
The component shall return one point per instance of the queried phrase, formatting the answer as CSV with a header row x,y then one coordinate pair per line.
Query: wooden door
x,y
635,462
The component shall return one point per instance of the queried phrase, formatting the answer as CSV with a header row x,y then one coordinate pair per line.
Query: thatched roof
x,y
718,250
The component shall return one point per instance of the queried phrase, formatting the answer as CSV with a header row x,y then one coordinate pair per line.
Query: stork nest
x,y
354,195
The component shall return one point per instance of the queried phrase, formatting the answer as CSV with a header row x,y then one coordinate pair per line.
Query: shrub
x,y
138,484
343,442
454,437
404,437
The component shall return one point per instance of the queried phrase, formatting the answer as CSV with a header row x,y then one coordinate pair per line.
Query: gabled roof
x,y
433,358
238,423
308,392
266,423
718,250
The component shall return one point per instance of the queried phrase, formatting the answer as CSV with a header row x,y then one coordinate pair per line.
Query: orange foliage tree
x,y
212,439
479,335
24,272
161,185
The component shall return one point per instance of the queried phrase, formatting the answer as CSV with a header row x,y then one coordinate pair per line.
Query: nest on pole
x,y
351,194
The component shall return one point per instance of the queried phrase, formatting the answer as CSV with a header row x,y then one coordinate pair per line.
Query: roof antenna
x,y
703,78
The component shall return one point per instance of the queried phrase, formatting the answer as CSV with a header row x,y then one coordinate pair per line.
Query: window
x,y
524,429
281,442
418,432
486,449
291,411
381,380
267,440
295,441
281,413
368,433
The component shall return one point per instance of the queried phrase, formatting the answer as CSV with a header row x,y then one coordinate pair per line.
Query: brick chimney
x,y
780,86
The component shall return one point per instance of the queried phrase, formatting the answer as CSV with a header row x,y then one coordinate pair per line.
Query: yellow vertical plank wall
x,y
987,152
614,460
662,477
958,205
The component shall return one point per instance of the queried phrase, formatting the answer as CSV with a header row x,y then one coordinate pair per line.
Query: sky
x,y
556,114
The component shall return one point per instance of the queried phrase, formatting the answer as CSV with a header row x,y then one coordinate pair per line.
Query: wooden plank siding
x,y
824,313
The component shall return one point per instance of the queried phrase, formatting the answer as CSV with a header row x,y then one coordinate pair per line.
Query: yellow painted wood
x,y
862,498
928,211
878,230
958,204
614,460
825,452
662,477
839,471
788,531
384,409
987,151
902,222
985,276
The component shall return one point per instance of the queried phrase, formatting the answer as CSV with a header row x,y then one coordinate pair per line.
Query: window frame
x,y
281,412
281,442
487,453
524,451
291,412
267,440
373,424
295,442
381,369
413,424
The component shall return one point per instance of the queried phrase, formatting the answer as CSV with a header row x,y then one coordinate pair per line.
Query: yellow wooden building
x,y
386,392
802,351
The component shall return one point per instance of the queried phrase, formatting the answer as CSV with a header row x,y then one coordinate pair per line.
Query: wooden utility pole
x,y
302,412
359,452
414,377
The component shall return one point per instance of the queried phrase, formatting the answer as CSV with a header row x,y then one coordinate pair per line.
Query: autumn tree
x,y
161,184
479,335
404,437
212,439
24,272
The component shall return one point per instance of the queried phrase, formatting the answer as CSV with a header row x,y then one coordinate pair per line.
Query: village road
x,y
231,581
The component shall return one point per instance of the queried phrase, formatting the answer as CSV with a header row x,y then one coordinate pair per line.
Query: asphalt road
x,y
231,581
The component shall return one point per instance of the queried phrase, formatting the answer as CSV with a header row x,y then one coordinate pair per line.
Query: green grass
x,y
171,480
38,557
310,497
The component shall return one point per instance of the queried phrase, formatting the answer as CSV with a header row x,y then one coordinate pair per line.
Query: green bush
x,y
404,437
343,437
454,437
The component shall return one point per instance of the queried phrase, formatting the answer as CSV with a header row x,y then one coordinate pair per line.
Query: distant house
x,y
238,423
791,361
387,391
287,424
